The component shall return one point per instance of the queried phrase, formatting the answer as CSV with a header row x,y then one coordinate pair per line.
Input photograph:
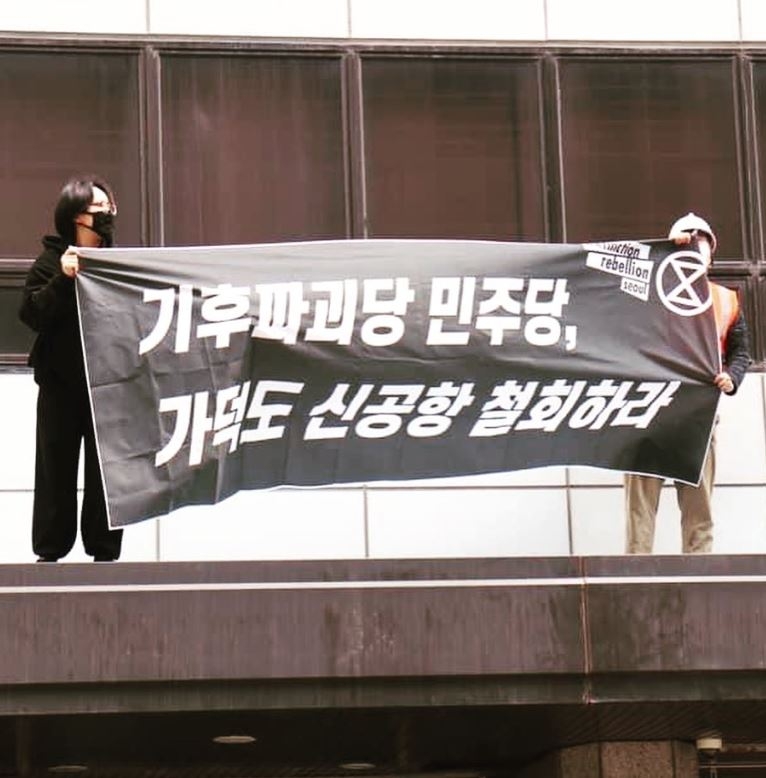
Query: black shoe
x,y
103,558
47,559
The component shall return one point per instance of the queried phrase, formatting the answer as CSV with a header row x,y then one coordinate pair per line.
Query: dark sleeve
x,y
47,294
737,357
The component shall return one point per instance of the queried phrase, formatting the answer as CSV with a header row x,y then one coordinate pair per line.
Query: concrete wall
x,y
730,21
518,514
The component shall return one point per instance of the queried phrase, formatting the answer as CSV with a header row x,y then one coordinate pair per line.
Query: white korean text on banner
x,y
216,369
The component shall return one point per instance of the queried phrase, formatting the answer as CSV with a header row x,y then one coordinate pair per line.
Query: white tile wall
x,y
598,521
86,16
17,426
447,20
536,476
140,543
740,441
513,514
649,20
465,523
753,15
740,520
282,524
286,18
594,476
15,527
507,20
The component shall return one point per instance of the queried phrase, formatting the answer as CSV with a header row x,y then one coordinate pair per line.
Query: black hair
x,y
76,195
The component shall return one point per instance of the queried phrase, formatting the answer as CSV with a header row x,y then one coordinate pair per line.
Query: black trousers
x,y
63,423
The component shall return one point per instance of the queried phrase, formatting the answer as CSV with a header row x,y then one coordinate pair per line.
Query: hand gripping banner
x,y
216,369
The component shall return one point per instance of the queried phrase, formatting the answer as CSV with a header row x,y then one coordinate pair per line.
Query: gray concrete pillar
x,y
659,759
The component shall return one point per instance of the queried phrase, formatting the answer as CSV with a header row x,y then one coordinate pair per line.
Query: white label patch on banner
x,y
627,259
635,287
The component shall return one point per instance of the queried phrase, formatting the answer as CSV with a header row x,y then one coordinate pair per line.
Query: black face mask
x,y
103,226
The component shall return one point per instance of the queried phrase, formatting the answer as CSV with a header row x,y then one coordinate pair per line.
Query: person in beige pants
x,y
642,492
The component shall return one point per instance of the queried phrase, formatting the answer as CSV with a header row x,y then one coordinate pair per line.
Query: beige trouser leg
x,y
696,509
642,496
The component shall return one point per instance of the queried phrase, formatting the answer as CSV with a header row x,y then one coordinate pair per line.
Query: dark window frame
x,y
749,273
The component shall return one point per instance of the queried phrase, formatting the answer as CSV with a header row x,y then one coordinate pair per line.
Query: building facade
x,y
520,120
524,121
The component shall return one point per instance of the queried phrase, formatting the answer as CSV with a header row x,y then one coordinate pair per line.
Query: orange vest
x,y
726,309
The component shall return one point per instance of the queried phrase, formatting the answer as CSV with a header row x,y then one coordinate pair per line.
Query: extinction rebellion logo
x,y
680,278
682,284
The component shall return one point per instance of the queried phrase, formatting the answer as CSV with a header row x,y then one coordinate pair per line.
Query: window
x,y
62,113
453,148
759,89
252,149
645,141
65,113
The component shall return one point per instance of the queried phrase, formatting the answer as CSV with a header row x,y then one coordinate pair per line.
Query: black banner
x,y
216,369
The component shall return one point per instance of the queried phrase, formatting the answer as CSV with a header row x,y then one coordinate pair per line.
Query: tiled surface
x,y
140,543
125,16
464,523
16,527
17,422
753,14
540,476
598,521
594,476
650,20
481,20
287,524
740,520
508,514
286,18
510,20
740,440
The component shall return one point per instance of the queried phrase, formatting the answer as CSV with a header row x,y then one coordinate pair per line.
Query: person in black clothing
x,y
84,216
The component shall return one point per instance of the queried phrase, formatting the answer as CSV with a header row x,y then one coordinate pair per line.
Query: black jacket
x,y
736,357
49,307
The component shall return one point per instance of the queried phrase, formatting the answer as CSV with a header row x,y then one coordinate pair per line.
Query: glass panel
x,y
647,141
759,88
16,337
65,113
252,149
453,148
